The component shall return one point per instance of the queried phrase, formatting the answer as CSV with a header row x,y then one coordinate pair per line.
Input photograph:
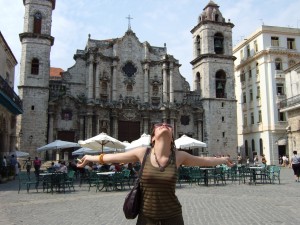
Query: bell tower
x,y
36,41
213,75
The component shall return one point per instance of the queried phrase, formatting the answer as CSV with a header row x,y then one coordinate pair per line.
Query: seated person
x,y
52,168
57,164
115,167
133,172
63,168
89,166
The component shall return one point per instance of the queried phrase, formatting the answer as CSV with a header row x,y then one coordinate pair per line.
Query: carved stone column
x,y
50,128
89,125
114,82
97,82
165,116
172,122
90,79
81,128
97,124
165,83
171,83
199,118
146,82
114,132
146,124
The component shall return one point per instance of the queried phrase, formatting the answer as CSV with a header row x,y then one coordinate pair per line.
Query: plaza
x,y
231,204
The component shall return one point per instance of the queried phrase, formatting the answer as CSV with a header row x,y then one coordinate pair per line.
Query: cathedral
x,y
122,86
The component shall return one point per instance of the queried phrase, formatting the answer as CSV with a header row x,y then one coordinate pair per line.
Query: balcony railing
x,y
9,98
290,102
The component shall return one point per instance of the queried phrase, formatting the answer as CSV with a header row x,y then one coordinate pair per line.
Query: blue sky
x,y
155,21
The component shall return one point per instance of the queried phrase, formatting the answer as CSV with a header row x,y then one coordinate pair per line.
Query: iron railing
x,y
295,100
9,92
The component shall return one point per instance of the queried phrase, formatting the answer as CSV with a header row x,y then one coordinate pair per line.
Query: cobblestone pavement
x,y
231,204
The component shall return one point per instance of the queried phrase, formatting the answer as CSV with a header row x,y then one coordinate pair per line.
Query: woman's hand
x,y
228,161
85,160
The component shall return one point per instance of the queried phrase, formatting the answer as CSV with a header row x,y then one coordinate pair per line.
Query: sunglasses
x,y
162,124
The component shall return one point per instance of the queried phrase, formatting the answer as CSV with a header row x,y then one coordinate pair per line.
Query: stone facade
x,y
214,79
122,86
36,43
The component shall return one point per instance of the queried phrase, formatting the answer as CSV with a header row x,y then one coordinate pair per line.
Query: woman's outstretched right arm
x,y
133,155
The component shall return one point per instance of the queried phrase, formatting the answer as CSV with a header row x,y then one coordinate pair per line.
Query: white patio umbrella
x,y
85,150
21,154
101,140
58,144
143,141
185,142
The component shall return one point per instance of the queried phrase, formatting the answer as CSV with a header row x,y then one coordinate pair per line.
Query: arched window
x,y
278,64
104,87
246,148
220,84
257,68
218,43
253,145
37,23
35,66
198,80
217,17
104,91
242,76
129,88
198,45
261,147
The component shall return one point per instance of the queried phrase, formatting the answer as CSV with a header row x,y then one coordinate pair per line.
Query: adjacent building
x,y
291,106
10,103
260,86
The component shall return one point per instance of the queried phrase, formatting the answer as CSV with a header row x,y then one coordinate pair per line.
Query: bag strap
x,y
143,163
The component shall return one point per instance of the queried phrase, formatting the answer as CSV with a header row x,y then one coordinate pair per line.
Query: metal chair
x,y
27,181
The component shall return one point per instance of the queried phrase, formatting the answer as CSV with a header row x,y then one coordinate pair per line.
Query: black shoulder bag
x,y
131,206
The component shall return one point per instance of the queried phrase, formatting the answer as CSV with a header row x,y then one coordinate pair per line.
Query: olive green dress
x,y
159,203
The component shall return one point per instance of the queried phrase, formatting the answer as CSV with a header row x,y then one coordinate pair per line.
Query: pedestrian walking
x,y
4,166
295,164
13,165
37,166
28,165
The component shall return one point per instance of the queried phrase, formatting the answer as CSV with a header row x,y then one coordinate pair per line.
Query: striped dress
x,y
158,191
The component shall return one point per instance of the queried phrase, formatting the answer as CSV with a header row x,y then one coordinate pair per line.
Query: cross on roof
x,y
129,18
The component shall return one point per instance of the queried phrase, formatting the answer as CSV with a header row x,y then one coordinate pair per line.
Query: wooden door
x,y
128,131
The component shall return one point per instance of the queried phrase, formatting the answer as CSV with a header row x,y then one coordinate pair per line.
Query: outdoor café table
x,y
105,173
256,171
45,178
53,181
206,171
105,177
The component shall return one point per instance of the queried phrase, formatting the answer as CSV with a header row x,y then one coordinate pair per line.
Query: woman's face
x,y
162,129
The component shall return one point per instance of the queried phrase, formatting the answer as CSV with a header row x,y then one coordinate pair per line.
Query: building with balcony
x,y
10,103
291,106
260,86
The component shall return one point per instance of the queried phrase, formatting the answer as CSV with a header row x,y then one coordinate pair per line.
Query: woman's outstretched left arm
x,y
184,158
